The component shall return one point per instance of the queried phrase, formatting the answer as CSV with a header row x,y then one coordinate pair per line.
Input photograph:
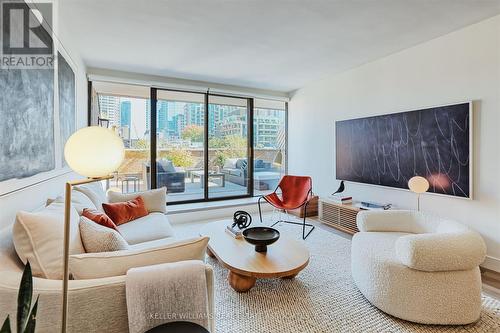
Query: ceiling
x,y
269,44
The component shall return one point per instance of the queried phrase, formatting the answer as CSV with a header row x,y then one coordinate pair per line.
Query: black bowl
x,y
261,237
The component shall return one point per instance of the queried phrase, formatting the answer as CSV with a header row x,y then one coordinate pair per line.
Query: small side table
x,y
126,181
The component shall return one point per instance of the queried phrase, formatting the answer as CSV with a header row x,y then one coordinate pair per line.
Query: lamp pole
x,y
67,222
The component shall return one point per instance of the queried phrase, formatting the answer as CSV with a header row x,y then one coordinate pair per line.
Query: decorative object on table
x,y
94,152
312,208
261,237
234,232
374,206
341,199
362,141
340,189
296,191
241,219
178,327
418,185
26,319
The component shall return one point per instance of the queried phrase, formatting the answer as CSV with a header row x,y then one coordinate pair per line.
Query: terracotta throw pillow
x,y
99,218
123,212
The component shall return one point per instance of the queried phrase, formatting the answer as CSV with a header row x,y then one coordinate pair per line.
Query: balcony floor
x,y
194,190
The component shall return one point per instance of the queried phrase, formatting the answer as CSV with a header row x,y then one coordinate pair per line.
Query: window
x,y
228,151
269,144
180,144
124,108
205,146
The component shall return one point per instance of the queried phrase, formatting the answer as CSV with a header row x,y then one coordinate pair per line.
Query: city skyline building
x,y
125,113
174,116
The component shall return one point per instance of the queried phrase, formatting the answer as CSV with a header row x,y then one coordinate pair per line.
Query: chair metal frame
x,y
303,223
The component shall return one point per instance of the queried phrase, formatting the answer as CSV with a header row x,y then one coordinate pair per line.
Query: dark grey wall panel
x,y
66,81
26,122
390,149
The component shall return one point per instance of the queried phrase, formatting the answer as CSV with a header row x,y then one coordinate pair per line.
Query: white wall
x,y
461,66
35,196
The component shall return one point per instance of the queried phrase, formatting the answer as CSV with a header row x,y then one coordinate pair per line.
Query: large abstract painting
x,y
388,150
26,122
66,80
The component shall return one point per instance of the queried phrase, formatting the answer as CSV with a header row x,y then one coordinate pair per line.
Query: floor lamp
x,y
94,152
418,185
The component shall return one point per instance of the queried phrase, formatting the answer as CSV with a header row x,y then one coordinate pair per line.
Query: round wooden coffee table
x,y
285,258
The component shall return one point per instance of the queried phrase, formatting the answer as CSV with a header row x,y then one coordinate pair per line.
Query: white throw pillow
x,y
155,200
98,238
107,264
39,237
94,192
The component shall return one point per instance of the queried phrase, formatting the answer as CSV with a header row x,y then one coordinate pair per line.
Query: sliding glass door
x,y
228,146
180,144
204,146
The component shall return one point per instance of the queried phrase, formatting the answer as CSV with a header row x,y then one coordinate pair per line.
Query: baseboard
x,y
491,263
215,213
490,277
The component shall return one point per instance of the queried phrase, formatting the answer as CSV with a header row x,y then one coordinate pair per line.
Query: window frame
x,y
250,141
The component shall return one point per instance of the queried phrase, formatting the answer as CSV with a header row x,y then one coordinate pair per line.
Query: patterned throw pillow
x,y
98,238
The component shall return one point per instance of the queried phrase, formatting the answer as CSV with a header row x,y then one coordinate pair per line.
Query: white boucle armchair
x,y
418,267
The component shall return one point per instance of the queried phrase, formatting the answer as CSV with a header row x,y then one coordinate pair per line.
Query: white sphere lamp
x,y
94,151
418,185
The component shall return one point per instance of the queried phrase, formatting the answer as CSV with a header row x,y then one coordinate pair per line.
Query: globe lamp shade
x,y
94,151
418,184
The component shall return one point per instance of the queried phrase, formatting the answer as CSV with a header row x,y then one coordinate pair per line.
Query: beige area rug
x,y
322,298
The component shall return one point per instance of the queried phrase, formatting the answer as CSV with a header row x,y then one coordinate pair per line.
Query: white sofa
x,y
95,305
418,268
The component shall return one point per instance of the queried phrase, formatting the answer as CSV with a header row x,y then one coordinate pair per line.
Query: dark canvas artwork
x,y
66,81
26,122
390,149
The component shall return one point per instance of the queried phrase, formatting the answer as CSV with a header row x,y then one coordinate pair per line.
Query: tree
x,y
193,133
180,157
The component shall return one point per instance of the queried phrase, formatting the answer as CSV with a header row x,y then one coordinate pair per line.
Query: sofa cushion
x,y
94,192
39,237
151,227
79,200
106,264
259,164
230,163
165,165
98,238
155,200
234,172
435,252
